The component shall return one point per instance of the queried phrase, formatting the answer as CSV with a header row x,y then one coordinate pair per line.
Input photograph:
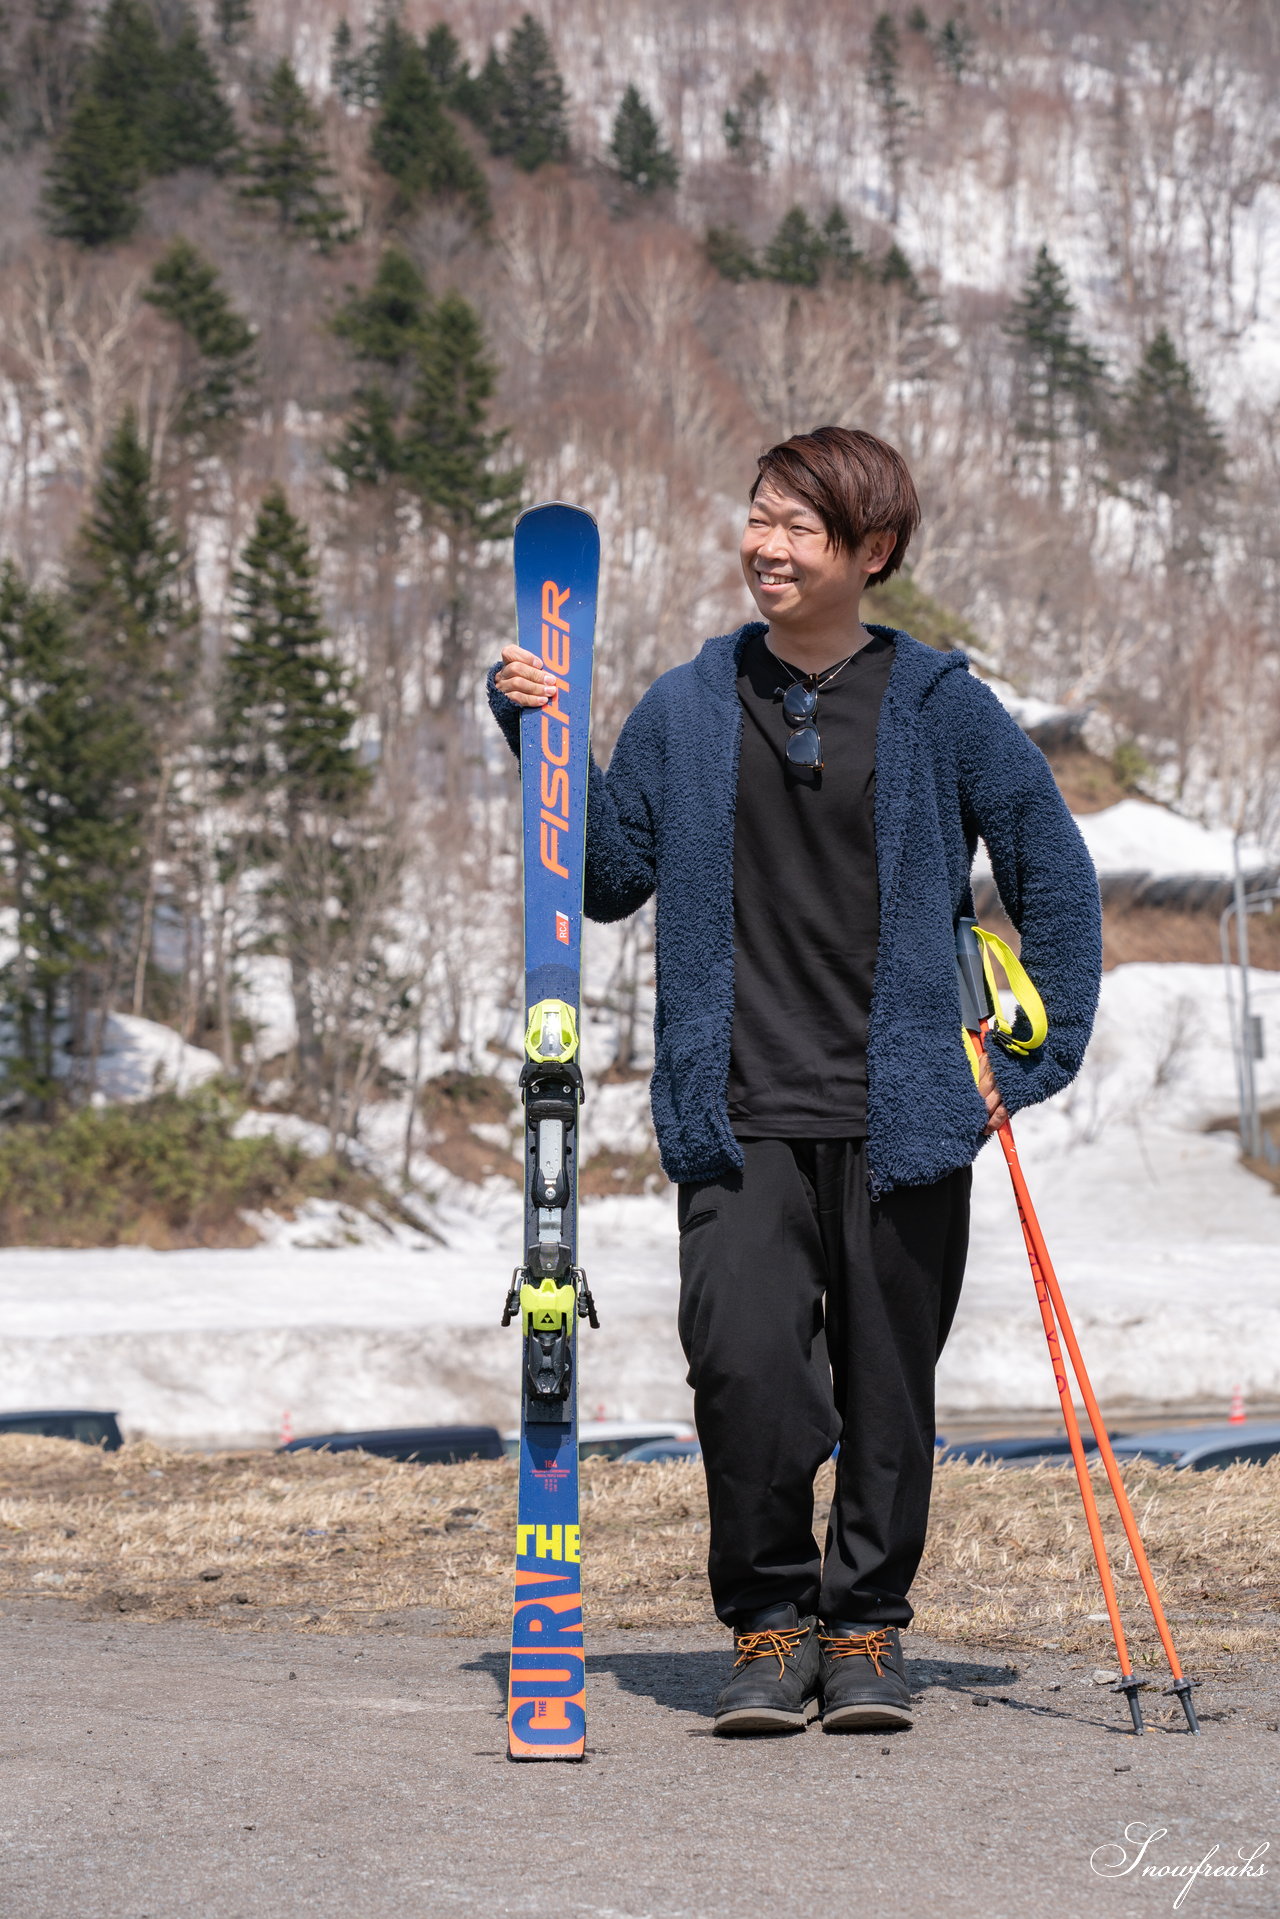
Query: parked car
x,y
1199,1448
610,1438
1025,1450
91,1429
1196,1447
661,1449
424,1445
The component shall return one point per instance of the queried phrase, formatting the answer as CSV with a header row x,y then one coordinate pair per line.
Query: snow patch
x,y
1029,711
140,1058
326,1225
289,1128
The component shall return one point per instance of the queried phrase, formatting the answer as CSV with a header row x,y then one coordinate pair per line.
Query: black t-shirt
x,y
806,907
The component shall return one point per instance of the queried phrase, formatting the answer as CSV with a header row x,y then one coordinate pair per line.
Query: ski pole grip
x,y
975,1000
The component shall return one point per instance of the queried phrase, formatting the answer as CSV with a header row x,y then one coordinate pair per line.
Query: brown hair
x,y
855,484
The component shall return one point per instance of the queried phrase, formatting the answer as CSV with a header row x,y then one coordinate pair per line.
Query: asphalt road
x,y
154,1771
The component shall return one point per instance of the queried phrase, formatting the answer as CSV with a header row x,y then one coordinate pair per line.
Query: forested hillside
x,y
299,306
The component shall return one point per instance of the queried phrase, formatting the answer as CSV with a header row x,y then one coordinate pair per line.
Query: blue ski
x,y
557,560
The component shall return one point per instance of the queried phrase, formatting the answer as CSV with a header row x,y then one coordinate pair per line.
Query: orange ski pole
x,y
975,1004
1129,1681
1041,1261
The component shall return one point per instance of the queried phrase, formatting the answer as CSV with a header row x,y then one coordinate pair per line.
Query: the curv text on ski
x,y
557,563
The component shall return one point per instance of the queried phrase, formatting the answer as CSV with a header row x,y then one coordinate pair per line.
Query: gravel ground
x,y
155,1770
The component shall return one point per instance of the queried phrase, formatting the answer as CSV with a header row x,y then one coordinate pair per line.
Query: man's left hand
x,y
991,1093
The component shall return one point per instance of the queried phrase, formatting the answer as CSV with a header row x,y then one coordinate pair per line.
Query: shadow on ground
x,y
680,1681
689,1681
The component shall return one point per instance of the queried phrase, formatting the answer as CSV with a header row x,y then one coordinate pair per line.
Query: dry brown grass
x,y
1086,782
1160,933
338,1543
452,1106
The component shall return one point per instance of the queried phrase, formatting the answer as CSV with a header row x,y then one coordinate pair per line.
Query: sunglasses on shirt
x,y
800,711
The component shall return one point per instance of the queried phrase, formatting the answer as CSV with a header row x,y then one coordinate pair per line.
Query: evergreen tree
x,y
389,48
194,126
483,96
110,140
384,327
385,324
1061,378
897,271
1163,444
447,452
185,287
885,64
136,621
638,153
142,109
126,73
526,117
368,454
363,79
1164,433
91,186
729,252
287,763
127,584
744,122
796,253
955,46
286,711
233,19
837,244
345,73
443,55
71,760
417,143
883,69
286,164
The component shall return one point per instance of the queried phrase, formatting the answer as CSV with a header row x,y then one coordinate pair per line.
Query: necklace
x,y
810,680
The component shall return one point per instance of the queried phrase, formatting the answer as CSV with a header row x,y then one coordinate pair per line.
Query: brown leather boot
x,y
775,1674
862,1680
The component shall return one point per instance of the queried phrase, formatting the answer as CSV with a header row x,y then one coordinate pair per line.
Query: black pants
x,y
810,1313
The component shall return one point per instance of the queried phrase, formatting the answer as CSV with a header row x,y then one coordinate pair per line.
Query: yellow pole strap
x,y
1024,993
1028,1000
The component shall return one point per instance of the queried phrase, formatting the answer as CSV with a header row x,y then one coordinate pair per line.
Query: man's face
x,y
793,573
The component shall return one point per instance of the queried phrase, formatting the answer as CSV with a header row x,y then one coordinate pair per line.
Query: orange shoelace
x,y
874,1646
776,1643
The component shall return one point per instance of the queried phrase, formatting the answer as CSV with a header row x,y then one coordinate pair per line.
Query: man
x,y
805,798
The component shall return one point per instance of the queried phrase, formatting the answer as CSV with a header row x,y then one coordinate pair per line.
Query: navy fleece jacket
x,y
950,765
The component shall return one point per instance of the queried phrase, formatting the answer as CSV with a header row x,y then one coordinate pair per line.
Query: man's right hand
x,y
523,678
991,1093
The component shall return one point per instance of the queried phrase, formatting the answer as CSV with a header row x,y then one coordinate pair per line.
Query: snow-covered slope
x,y
1168,1251
1137,836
